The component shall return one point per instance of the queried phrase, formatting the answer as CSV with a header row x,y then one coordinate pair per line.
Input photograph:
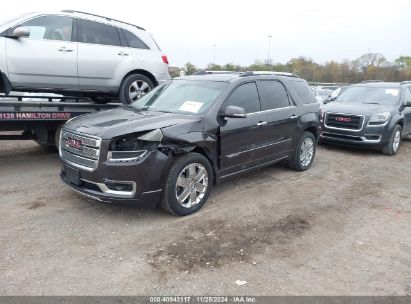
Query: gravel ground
x,y
341,228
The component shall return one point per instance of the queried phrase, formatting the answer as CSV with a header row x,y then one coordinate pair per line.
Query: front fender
x,y
398,118
199,141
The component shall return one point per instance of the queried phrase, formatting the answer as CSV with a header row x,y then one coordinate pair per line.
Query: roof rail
x,y
405,82
367,81
205,72
326,84
259,73
107,18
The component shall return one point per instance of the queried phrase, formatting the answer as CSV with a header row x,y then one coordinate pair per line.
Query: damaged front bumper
x,y
138,182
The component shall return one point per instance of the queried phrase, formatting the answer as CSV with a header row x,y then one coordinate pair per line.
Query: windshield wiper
x,y
371,103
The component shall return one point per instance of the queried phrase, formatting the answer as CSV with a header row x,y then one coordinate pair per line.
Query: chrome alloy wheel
x,y
306,152
138,89
191,185
397,140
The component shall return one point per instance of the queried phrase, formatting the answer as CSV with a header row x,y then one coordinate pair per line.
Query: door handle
x,y
123,54
64,49
261,123
294,116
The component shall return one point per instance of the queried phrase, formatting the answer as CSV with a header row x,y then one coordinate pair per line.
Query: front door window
x,y
50,28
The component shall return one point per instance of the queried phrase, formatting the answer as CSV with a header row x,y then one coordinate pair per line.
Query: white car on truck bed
x,y
77,53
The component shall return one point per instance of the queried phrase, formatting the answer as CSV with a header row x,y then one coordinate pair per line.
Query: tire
x,y
57,136
134,87
393,145
298,162
52,141
194,195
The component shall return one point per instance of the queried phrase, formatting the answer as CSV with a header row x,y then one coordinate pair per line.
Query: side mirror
x,y
329,99
234,112
20,32
408,104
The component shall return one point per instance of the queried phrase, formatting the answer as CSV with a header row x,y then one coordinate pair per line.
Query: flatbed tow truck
x,y
40,118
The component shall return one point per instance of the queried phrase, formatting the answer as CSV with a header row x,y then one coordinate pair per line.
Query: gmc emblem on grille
x,y
343,119
74,143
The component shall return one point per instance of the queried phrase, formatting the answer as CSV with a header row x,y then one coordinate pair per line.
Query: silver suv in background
x,y
76,53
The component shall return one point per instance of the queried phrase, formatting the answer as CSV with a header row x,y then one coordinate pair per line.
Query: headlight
x,y
380,118
125,156
155,135
133,147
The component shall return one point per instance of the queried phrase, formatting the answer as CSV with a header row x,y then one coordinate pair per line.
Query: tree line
x,y
370,66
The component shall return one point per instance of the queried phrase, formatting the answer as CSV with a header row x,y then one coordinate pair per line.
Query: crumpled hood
x,y
357,108
125,120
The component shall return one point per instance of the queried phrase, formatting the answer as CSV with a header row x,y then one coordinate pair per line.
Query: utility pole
x,y
214,46
269,49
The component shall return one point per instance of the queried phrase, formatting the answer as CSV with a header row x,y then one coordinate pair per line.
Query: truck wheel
x,y
304,153
188,184
393,145
134,87
57,136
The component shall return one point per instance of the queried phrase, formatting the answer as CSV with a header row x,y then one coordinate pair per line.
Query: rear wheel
x,y
304,153
393,145
134,87
188,184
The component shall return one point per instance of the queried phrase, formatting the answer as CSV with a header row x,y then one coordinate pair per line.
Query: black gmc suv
x,y
172,145
372,114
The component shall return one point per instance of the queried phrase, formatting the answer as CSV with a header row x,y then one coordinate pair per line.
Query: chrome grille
x,y
84,158
344,121
85,151
87,141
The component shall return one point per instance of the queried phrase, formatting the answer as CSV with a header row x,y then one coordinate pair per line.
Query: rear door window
x,y
273,95
246,97
133,41
98,33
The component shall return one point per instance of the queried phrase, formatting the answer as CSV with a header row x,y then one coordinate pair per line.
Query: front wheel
x,y
393,145
134,87
188,184
304,153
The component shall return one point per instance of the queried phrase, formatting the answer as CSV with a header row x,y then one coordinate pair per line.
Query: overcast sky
x,y
320,29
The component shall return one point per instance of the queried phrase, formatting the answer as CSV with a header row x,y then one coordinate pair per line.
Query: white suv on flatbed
x,y
76,53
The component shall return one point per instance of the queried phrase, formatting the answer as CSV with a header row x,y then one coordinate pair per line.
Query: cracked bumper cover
x,y
145,177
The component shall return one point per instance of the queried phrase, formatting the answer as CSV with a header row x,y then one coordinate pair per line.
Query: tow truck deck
x,y
40,118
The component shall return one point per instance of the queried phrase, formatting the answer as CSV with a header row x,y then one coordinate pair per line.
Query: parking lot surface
x,y
341,228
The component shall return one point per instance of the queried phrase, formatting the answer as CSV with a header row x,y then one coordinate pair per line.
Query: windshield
x,y
371,95
182,96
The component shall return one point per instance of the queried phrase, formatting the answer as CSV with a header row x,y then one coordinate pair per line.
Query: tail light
x,y
165,59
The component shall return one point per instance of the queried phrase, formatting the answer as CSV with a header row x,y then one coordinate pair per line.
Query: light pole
x,y
214,46
269,49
